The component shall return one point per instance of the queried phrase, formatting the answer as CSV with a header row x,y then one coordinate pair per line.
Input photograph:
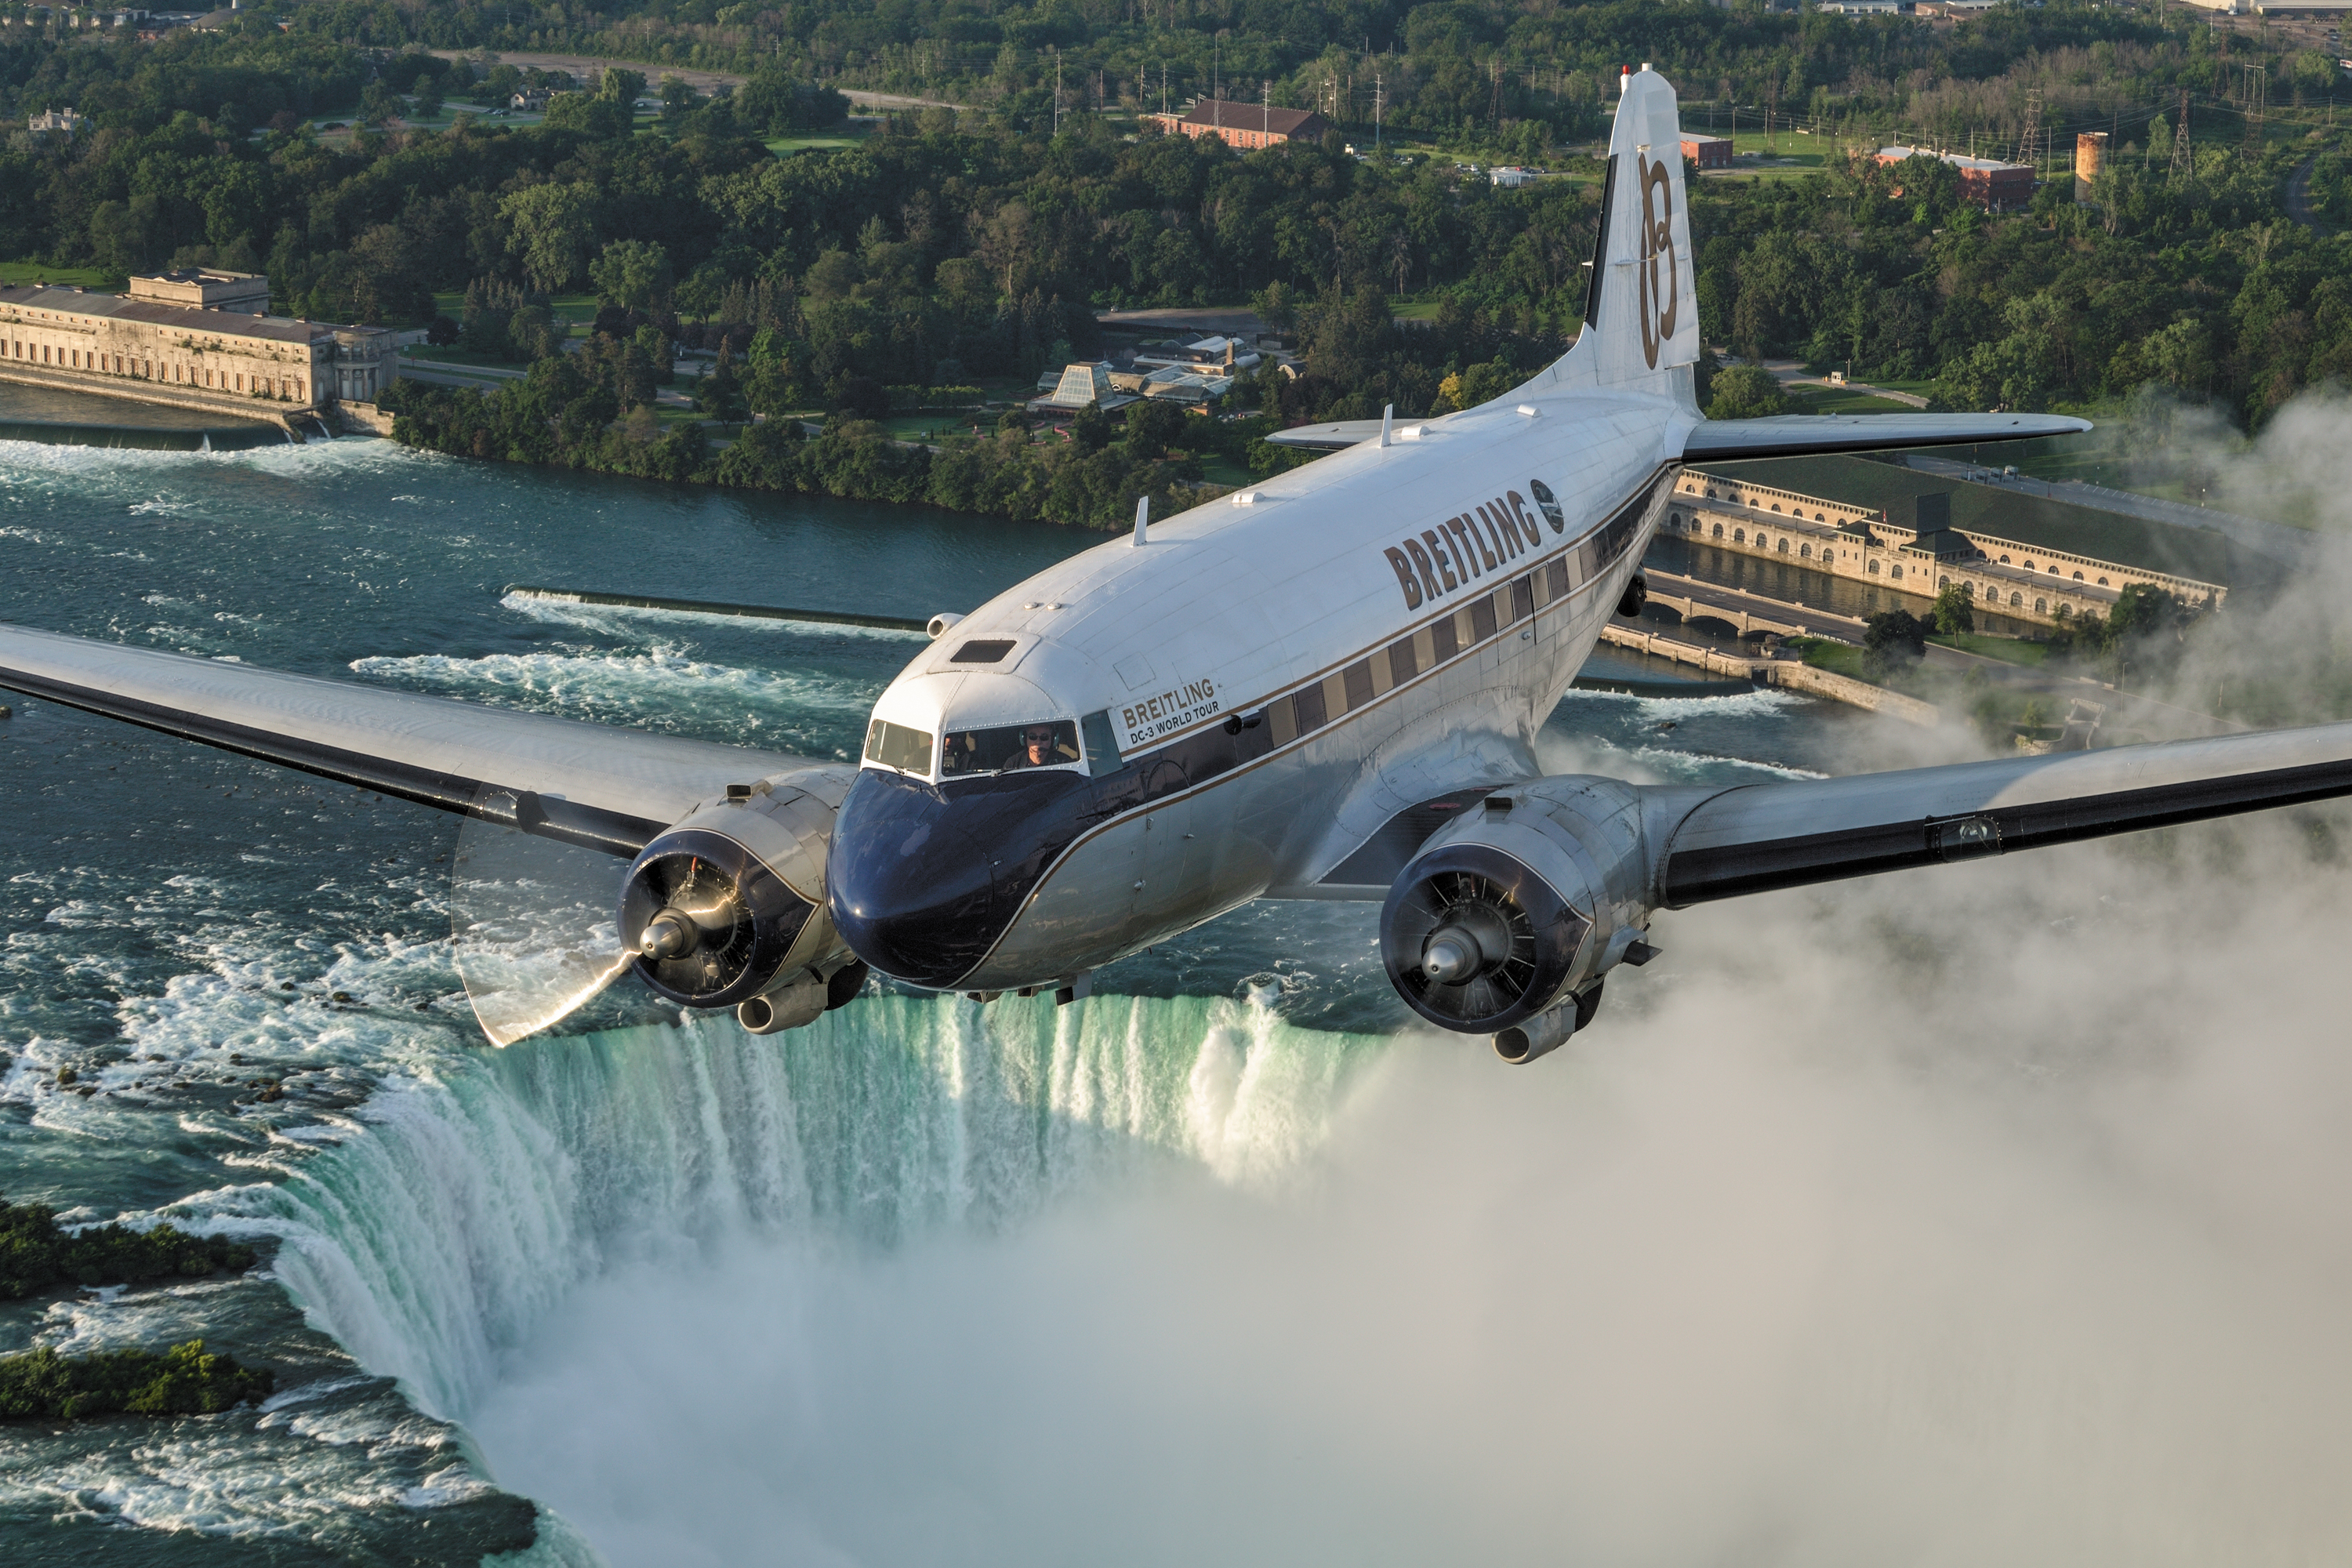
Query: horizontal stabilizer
x,y
1802,434
1328,437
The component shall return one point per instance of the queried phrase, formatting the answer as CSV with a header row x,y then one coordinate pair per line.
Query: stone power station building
x,y
1907,542
198,338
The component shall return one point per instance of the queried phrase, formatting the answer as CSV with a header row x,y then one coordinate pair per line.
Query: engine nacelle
x,y
727,906
1517,907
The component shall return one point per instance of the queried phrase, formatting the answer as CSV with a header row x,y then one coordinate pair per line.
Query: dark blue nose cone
x,y
923,881
910,892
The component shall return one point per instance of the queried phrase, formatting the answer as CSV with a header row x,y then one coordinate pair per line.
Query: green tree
x,y
634,274
550,229
1955,611
1892,642
720,395
1745,392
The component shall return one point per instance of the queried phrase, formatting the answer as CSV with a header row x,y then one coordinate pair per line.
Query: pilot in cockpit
x,y
1038,750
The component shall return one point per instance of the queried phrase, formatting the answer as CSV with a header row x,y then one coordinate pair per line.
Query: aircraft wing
x,y
1797,435
1778,436
1754,839
584,783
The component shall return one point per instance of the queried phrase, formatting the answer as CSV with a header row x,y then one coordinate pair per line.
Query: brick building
x,y
1984,182
1707,152
1245,124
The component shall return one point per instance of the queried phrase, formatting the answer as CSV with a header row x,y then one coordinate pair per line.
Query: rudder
x,y
1641,309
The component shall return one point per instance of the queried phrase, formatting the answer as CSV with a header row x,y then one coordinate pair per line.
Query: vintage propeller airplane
x,y
1326,686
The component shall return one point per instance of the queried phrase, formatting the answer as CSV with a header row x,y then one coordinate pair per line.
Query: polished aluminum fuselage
x,y
1310,600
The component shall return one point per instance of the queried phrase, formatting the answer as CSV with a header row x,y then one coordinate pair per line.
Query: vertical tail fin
x,y
1641,303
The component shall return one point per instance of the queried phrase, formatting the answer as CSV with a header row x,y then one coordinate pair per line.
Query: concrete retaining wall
x,y
1790,676
1787,675
363,419
164,394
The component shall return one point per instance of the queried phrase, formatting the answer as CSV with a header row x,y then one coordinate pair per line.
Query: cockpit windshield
x,y
1046,743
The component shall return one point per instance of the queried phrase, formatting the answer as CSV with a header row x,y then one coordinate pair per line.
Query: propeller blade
x,y
533,926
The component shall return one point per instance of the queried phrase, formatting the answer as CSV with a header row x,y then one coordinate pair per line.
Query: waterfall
x,y
463,1202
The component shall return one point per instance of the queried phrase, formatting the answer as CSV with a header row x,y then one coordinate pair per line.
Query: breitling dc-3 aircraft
x,y
1328,687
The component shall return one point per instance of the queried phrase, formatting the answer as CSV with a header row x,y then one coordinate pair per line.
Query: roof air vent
x,y
981,650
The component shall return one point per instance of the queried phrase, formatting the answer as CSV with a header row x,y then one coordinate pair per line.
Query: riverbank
x,y
1003,475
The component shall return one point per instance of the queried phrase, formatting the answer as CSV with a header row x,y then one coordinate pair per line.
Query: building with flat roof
x,y
1895,527
1707,152
151,347
1985,181
207,288
1245,124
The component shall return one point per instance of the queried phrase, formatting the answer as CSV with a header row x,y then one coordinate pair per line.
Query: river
x,y
1210,1265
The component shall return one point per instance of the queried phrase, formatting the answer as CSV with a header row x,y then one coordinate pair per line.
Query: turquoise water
x,y
180,922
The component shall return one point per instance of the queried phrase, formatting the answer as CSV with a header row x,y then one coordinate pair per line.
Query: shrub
x,y
35,1255
182,1381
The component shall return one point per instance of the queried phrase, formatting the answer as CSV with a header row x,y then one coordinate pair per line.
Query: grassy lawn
x,y
2009,650
1414,310
61,276
1841,400
782,146
1220,469
932,427
457,357
1838,658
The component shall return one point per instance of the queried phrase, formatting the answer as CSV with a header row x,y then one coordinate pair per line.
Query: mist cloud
x,y
1993,1214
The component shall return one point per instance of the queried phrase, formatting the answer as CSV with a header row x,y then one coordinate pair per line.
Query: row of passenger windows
x,y
1368,679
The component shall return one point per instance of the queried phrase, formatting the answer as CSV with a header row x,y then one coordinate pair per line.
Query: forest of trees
x,y
948,248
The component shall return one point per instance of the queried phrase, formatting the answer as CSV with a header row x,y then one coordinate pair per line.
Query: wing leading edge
x,y
590,784
1778,436
1798,435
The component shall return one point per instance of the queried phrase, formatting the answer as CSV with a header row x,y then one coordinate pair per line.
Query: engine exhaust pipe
x,y
785,1008
1540,1035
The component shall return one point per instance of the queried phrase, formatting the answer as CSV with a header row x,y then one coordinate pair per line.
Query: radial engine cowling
x,y
729,904
1511,911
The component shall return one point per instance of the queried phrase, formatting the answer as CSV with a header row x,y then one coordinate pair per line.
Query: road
x,y
1790,373
702,81
2298,197
1229,321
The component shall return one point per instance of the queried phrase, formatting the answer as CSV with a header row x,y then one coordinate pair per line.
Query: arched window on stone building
x,y
1784,547
2040,607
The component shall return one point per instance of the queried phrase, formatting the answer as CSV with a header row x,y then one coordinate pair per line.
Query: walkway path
x,y
1790,373
702,81
2298,197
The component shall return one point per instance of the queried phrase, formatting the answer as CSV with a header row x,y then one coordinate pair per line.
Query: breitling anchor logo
x,y
1661,296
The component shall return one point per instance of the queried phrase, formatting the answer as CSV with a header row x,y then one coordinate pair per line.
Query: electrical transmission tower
x,y
2258,82
2029,141
2184,164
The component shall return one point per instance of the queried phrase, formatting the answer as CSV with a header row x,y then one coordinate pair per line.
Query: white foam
x,y
660,679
